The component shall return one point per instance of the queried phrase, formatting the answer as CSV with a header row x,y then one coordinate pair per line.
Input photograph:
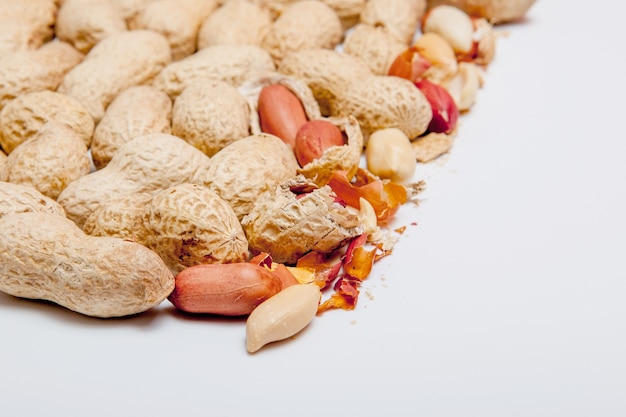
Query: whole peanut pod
x,y
46,256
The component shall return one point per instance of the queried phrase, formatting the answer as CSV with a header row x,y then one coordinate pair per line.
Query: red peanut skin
x,y
223,289
280,113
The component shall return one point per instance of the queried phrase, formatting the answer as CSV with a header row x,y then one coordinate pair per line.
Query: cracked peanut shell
x,y
298,217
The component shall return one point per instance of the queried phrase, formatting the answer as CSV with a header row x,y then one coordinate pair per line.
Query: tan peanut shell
x,y
235,22
288,224
46,256
210,115
245,169
495,11
282,315
143,165
130,8
306,24
374,45
400,17
233,289
381,101
18,198
26,24
231,63
84,23
136,111
186,224
342,158
349,11
49,161
327,72
24,116
35,70
117,62
3,158
252,90
177,20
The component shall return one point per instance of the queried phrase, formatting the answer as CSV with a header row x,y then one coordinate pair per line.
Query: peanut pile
x,y
235,157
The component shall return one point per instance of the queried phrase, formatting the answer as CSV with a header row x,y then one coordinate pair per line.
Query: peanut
x,y
18,198
304,24
389,155
35,70
186,224
24,116
337,158
177,20
137,111
49,161
445,113
452,24
84,23
374,45
235,22
314,138
132,170
210,115
288,224
26,24
327,72
253,87
380,101
282,316
231,63
46,256
348,11
117,62
246,168
399,17
493,10
226,289
280,113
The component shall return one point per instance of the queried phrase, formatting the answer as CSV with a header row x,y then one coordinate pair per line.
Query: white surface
x,y
506,299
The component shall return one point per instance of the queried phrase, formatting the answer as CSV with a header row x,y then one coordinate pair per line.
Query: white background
x,y
506,299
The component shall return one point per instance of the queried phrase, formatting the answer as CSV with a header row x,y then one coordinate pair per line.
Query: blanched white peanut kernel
x,y
453,24
464,85
282,315
367,216
389,155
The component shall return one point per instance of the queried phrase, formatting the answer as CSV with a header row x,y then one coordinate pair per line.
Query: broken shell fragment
x,y
298,217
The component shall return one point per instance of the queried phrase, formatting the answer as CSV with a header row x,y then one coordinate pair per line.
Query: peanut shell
x,y
84,23
342,158
49,161
117,62
177,20
235,22
35,70
26,24
287,224
374,45
382,101
46,256
400,17
231,63
302,25
245,169
210,115
24,116
143,165
186,224
327,72
136,111
18,198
